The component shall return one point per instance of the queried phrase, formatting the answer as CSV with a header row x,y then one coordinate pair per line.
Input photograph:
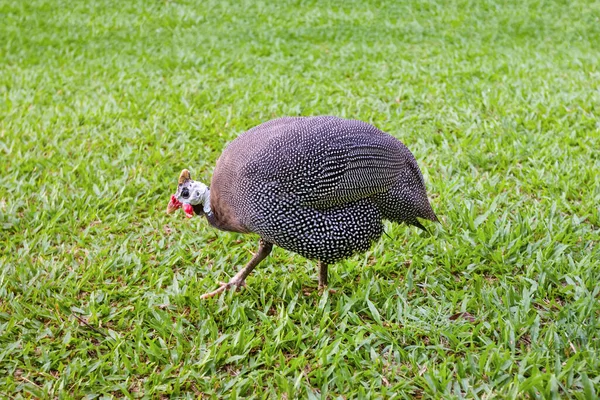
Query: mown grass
x,y
103,103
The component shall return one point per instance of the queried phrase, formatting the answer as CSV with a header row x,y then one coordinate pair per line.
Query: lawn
x,y
103,103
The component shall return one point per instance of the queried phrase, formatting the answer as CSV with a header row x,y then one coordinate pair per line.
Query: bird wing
x,y
324,161
352,167
320,161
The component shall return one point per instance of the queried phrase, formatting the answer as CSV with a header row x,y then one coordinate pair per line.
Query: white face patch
x,y
194,193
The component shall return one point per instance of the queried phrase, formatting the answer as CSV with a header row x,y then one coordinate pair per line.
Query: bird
x,y
317,186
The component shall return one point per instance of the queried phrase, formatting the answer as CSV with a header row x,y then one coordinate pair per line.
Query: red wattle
x,y
189,210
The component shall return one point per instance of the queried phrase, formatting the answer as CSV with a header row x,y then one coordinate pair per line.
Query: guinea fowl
x,y
317,186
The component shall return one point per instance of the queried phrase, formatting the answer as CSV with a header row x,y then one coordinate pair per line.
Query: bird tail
x,y
409,212
415,222
425,213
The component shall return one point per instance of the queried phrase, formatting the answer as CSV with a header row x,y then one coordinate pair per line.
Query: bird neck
x,y
219,219
206,202
210,216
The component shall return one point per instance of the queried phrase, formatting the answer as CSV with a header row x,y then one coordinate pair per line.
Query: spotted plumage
x,y
317,186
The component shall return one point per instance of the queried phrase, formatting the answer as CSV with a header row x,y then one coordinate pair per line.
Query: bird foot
x,y
223,287
323,288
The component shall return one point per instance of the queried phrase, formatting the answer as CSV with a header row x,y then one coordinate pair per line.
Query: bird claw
x,y
223,287
323,288
232,283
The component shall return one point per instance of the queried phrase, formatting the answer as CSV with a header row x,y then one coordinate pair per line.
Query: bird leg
x,y
264,248
322,275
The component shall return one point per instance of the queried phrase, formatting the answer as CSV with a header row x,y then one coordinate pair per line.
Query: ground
x,y
103,103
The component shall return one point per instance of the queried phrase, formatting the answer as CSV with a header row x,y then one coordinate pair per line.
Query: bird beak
x,y
173,205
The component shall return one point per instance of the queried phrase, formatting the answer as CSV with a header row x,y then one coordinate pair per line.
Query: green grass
x,y
103,103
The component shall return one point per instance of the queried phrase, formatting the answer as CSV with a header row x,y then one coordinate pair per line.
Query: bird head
x,y
189,193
